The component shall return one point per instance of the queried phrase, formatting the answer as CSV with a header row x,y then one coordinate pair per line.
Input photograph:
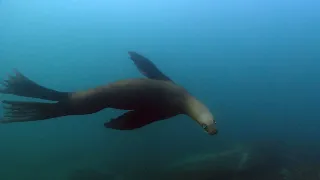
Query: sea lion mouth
x,y
209,129
213,132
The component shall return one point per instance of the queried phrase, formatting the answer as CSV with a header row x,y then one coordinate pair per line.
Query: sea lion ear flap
x,y
132,120
147,67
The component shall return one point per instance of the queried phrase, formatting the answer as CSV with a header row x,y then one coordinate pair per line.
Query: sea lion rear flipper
x,y
23,111
147,67
134,120
21,85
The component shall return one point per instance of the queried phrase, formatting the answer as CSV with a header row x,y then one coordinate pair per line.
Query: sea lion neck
x,y
197,110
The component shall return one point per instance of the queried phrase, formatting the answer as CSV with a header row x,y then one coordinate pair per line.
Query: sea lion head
x,y
201,114
207,122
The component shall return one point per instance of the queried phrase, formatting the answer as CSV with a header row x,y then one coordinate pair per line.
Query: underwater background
x,y
254,63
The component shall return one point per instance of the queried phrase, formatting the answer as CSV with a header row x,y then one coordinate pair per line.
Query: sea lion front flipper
x,y
147,67
135,119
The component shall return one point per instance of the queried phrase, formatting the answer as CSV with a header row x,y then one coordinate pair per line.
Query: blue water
x,y
255,64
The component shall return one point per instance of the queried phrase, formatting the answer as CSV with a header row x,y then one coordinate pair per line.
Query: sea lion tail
x,y
20,85
18,111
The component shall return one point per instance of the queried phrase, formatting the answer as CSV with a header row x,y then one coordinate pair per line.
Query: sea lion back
x,y
132,94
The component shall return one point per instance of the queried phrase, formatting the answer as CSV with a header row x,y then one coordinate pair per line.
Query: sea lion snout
x,y
211,130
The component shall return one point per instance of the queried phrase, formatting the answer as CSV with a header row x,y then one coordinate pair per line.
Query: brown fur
x,y
129,94
161,97
148,100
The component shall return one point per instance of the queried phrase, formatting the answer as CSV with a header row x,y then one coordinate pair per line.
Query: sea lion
x,y
147,100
